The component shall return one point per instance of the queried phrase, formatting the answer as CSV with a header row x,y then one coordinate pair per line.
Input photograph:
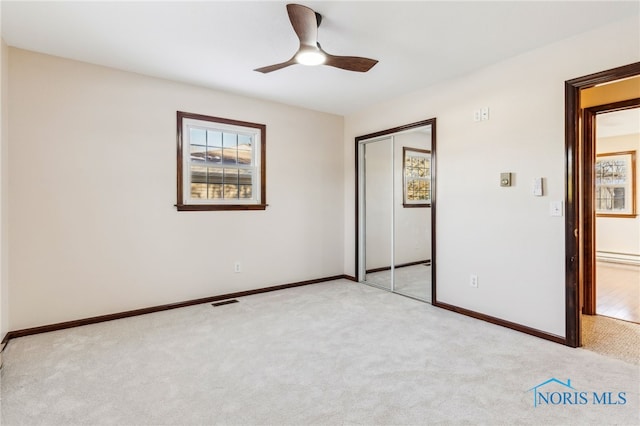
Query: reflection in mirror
x,y
412,213
396,210
378,193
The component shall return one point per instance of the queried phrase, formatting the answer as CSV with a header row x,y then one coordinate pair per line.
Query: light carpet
x,y
337,353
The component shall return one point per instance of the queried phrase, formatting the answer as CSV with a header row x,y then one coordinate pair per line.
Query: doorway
x,y
395,200
612,141
580,220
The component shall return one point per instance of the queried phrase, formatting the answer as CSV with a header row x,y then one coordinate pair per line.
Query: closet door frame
x,y
359,211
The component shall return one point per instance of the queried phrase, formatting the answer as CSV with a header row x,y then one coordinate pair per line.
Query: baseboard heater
x,y
613,257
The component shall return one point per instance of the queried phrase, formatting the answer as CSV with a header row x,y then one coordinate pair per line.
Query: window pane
x,y
198,153
230,153
230,191
231,176
215,175
245,181
245,191
618,199
214,139
230,156
244,177
418,190
198,174
245,149
197,136
215,191
198,190
229,140
214,155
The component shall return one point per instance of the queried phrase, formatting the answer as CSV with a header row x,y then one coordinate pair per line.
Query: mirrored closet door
x,y
395,244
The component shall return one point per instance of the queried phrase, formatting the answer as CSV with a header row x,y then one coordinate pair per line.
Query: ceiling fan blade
x,y
304,23
350,63
276,67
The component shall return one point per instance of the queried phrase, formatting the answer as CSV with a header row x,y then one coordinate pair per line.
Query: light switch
x,y
537,187
555,208
505,179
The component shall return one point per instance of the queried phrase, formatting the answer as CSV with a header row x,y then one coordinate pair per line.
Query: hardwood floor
x,y
618,291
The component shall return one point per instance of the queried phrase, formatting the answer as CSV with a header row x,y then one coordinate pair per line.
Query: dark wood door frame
x,y
589,216
575,227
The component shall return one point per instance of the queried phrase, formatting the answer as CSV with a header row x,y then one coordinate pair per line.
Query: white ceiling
x,y
618,123
218,44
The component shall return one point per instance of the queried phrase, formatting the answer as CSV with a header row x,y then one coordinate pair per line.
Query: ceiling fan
x,y
305,22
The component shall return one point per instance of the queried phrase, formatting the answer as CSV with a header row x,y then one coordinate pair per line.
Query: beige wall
x,y
93,225
504,235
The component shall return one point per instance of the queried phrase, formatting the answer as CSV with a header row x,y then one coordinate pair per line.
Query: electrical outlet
x,y
237,267
473,281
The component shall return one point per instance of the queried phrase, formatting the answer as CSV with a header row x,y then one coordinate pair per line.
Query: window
x,y
615,184
417,177
221,164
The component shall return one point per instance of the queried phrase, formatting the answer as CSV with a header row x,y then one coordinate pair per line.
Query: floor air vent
x,y
225,302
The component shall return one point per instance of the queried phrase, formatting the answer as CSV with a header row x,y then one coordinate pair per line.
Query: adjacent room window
x,y
615,184
221,164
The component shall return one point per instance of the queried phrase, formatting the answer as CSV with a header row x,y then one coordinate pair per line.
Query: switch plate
x,y
555,208
505,179
237,267
473,281
537,187
481,114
